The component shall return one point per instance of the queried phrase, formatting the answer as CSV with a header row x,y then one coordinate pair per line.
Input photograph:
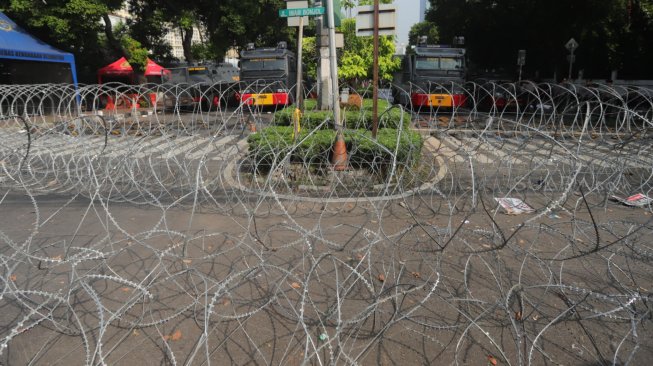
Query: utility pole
x,y
375,77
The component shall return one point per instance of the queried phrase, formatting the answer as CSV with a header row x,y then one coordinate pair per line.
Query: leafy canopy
x,y
358,55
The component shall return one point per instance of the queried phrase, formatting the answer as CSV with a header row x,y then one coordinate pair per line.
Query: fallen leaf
x,y
381,277
12,277
135,332
125,289
226,302
518,315
359,257
57,258
492,360
522,241
415,274
295,285
187,261
173,337
535,317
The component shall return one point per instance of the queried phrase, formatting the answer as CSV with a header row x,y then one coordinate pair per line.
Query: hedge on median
x,y
389,116
314,147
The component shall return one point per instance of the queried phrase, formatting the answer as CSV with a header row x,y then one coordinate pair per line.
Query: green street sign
x,y
301,12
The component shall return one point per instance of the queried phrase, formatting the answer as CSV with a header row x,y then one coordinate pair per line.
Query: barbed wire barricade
x,y
173,224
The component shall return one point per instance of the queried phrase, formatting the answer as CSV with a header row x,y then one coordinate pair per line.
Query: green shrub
x,y
315,146
389,116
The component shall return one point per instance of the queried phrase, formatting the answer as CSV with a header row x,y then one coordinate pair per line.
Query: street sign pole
x,y
521,61
571,46
375,77
298,99
571,64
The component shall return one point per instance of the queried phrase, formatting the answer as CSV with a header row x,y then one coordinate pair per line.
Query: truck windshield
x,y
198,74
439,63
260,64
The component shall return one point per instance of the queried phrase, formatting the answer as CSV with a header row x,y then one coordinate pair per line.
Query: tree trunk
x,y
187,41
111,38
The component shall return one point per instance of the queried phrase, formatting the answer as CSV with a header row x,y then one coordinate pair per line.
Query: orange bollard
x,y
153,100
110,105
339,157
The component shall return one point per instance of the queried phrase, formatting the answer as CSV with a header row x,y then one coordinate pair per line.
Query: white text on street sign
x,y
301,12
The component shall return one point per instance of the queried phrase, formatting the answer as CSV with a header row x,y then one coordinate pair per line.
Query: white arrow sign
x,y
572,44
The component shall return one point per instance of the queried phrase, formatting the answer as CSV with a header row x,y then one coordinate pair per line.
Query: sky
x,y
407,15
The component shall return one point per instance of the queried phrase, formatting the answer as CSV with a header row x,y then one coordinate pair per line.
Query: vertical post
x,y
520,67
298,85
334,66
571,63
299,95
323,73
339,157
375,77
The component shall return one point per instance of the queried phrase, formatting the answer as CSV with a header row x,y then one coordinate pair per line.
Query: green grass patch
x,y
314,147
389,116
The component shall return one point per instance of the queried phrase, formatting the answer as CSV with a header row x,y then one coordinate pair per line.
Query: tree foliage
x,y
425,28
357,58
309,57
613,34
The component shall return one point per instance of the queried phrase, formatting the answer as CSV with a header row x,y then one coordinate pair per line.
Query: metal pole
x,y
375,77
334,67
520,67
339,156
300,37
571,63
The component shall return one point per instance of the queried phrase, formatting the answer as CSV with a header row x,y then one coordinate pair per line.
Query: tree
x,y
309,57
612,33
149,26
428,29
357,58
70,25
75,26
238,22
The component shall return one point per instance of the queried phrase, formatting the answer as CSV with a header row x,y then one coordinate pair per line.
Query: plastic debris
x,y
323,337
514,206
636,200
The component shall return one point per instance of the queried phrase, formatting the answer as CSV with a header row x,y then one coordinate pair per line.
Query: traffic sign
x,y
387,20
295,4
521,57
301,12
571,45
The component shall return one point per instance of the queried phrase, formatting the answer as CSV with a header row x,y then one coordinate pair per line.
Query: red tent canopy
x,y
122,68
